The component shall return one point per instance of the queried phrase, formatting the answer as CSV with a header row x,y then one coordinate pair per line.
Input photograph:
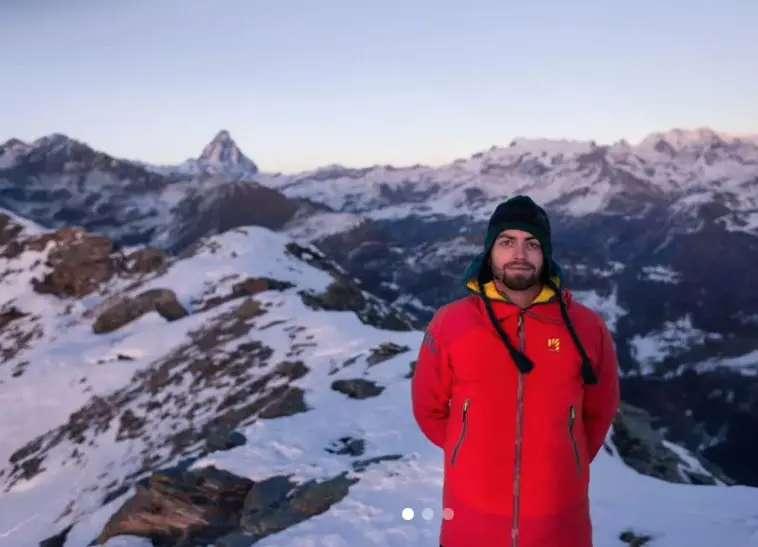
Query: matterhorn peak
x,y
222,151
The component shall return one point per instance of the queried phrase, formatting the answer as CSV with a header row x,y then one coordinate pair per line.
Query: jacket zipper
x,y
519,436
572,419
464,420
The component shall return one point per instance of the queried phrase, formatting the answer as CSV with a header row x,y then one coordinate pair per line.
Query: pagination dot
x,y
447,513
427,514
407,513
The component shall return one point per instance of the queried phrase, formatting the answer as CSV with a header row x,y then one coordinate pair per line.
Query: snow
x,y
660,274
673,338
607,306
50,389
696,516
571,176
30,228
321,225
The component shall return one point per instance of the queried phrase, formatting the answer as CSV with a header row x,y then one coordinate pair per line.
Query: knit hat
x,y
522,213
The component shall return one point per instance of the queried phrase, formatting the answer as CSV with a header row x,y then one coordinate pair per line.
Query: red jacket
x,y
517,447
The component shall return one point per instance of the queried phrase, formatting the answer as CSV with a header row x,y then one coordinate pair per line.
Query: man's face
x,y
517,260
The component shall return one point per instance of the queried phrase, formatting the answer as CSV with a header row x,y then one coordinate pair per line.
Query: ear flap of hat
x,y
478,270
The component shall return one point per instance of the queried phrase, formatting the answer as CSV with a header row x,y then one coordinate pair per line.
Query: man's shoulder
x,y
455,310
452,318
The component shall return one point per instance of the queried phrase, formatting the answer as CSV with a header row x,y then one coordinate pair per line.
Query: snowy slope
x,y
373,514
74,395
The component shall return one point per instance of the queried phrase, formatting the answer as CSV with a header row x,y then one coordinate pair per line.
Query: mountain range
x,y
124,280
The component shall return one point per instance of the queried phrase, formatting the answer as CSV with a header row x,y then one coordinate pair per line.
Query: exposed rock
x,y
79,261
357,388
198,507
163,301
58,540
343,294
148,260
224,438
248,287
361,465
176,507
347,446
9,229
9,315
271,513
633,539
384,352
643,449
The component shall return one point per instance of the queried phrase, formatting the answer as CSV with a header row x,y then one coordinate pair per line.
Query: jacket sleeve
x,y
431,385
601,401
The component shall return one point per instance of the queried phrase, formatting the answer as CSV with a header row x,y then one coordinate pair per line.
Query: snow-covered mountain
x,y
676,169
251,392
659,235
221,156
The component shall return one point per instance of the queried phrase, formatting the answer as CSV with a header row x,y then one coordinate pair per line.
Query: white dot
x,y
447,514
407,513
427,514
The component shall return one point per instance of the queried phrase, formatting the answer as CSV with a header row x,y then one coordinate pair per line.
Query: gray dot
x,y
447,514
427,514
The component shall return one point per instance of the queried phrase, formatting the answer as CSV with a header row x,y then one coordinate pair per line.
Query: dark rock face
x,y
357,388
642,448
713,420
80,262
248,287
225,205
162,301
344,294
195,508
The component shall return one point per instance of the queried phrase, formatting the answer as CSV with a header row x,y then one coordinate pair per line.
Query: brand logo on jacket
x,y
554,344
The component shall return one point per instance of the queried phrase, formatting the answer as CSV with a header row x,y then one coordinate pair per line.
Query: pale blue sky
x,y
302,83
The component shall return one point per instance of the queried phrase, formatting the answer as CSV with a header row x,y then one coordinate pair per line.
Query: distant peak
x,y
222,136
223,151
679,138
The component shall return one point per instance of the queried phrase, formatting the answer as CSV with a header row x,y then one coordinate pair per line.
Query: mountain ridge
x,y
658,240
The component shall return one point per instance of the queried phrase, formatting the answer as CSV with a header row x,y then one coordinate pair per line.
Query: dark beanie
x,y
520,213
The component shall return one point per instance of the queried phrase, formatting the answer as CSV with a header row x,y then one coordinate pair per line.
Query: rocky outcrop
x,y
162,301
384,352
78,262
644,449
357,388
9,315
247,287
344,294
209,506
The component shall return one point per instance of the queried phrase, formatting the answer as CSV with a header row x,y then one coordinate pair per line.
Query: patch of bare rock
x,y
344,294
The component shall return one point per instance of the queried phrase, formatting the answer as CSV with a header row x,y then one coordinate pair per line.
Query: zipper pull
x,y
465,405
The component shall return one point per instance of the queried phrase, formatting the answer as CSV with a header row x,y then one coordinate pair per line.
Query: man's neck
x,y
521,298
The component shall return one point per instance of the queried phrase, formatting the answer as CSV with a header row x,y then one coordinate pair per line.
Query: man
x,y
518,384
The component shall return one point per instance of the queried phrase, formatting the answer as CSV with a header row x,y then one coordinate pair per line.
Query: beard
x,y
517,280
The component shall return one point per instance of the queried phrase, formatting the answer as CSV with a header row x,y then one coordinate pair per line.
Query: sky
x,y
303,83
